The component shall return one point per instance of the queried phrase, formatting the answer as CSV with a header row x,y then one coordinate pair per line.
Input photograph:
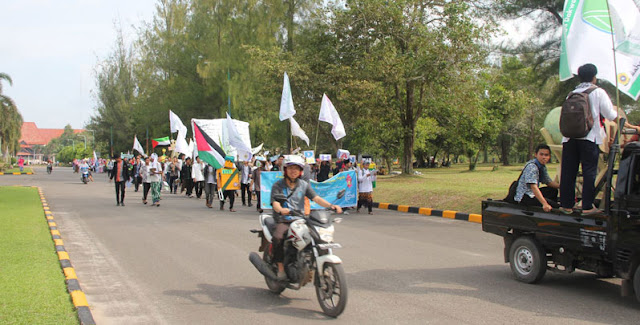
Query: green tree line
x,y
410,78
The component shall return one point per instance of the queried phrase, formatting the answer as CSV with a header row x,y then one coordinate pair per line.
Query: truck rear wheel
x,y
528,260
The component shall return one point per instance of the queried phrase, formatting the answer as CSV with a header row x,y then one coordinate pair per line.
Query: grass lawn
x,y
17,170
452,188
33,289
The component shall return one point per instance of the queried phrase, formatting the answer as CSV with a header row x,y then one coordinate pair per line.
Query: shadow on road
x,y
580,295
249,298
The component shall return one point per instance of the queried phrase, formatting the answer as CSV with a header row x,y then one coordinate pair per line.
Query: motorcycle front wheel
x,y
331,290
274,286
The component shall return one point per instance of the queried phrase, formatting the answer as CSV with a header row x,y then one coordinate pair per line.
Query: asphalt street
x,y
182,263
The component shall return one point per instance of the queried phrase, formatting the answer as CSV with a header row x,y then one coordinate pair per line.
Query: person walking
x,y
137,178
228,182
146,184
186,178
120,174
325,169
255,180
365,187
584,151
155,178
197,172
174,173
210,187
245,180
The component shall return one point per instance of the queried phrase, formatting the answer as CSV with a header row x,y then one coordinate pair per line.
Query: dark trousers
x,y
210,191
576,153
258,200
188,185
173,185
245,188
278,241
199,187
120,191
366,202
136,182
145,190
549,193
231,194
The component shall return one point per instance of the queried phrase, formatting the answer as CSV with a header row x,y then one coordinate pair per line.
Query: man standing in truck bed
x,y
576,151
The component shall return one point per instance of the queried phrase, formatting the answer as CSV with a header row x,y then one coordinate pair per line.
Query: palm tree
x,y
10,119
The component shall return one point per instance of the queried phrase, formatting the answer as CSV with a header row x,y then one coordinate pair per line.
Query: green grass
x,y
453,188
17,170
32,286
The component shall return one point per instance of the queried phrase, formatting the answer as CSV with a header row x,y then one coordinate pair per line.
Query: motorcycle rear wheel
x,y
274,286
334,288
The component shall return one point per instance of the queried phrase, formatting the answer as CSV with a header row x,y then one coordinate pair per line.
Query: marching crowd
x,y
195,178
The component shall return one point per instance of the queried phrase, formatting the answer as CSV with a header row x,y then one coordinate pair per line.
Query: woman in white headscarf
x,y
155,178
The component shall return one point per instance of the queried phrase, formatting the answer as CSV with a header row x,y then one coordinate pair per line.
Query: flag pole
x,y
315,145
615,70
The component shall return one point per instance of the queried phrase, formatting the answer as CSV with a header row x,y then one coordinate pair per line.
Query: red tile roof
x,y
32,135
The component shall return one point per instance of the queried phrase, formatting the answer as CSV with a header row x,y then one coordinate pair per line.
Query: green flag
x,y
586,38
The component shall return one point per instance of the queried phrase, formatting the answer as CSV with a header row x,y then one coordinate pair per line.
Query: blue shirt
x,y
533,173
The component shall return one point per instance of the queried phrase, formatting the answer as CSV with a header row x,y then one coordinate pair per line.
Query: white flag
x,y
297,131
192,148
176,123
235,140
137,146
257,149
286,102
329,114
586,38
181,142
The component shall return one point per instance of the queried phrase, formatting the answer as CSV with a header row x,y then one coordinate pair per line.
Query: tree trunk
x,y
531,134
486,155
504,148
409,128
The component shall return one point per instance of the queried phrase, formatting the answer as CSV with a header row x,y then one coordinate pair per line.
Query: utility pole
x,y
111,141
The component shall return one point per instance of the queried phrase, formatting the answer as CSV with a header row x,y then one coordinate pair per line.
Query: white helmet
x,y
293,160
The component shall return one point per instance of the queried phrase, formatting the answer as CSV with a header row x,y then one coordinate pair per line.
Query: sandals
x,y
565,211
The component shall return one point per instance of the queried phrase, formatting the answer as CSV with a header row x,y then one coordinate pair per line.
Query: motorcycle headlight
x,y
326,234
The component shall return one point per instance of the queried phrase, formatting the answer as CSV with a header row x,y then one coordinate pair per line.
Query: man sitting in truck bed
x,y
529,192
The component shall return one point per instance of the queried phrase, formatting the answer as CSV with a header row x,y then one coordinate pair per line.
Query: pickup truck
x,y
607,244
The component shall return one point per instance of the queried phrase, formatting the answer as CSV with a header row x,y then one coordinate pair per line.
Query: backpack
x,y
514,187
576,119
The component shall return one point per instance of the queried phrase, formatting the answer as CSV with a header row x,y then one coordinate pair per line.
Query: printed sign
x,y
352,158
327,190
325,157
343,154
309,156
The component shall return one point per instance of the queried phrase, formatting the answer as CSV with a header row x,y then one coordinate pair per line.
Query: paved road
x,y
182,263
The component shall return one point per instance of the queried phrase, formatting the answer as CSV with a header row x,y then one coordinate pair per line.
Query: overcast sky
x,y
50,49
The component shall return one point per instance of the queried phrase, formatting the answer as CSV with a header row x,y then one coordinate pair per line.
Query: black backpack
x,y
576,119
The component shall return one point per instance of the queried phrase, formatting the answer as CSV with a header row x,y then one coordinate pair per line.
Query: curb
x,y
449,214
23,173
73,286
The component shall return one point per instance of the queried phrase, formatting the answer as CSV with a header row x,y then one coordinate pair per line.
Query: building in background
x,y
32,136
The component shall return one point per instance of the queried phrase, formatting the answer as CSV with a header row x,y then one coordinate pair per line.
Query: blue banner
x,y
327,190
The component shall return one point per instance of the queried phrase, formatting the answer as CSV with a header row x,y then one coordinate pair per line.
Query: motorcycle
x,y
308,256
85,176
49,168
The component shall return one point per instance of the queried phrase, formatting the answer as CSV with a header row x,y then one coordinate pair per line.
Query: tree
x,y
416,49
10,120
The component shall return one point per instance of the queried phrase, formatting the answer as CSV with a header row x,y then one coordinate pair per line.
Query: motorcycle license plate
x,y
329,245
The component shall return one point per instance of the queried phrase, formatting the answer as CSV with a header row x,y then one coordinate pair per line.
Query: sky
x,y
51,49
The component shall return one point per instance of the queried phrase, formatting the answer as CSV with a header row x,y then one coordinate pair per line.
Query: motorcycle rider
x,y
295,190
84,167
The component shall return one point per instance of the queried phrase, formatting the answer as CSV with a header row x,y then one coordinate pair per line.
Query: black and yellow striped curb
x,y
16,173
449,214
73,286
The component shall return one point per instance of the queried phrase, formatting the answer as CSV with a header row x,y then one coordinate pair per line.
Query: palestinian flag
x,y
161,142
208,150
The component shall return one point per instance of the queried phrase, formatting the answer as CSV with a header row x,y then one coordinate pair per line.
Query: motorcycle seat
x,y
271,224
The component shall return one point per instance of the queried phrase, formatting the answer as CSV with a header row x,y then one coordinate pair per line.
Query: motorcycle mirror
x,y
340,194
